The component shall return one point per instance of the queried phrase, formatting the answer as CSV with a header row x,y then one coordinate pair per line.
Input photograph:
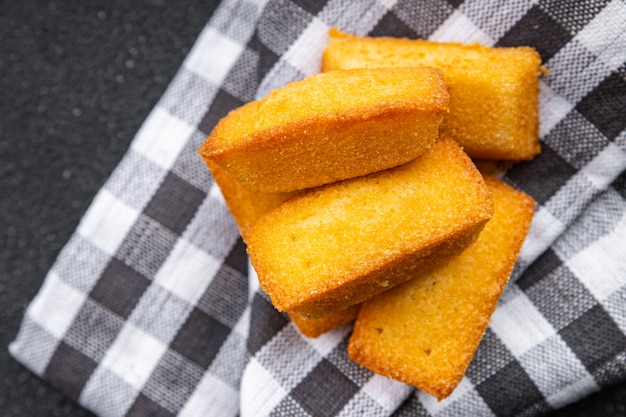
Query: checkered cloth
x,y
150,310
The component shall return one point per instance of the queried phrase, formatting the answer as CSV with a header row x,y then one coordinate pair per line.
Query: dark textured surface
x,y
77,79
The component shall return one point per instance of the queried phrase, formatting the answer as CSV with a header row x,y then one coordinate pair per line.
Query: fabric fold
x,y
152,309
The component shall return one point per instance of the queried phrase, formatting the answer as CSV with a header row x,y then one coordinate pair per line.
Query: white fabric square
x,y
55,306
216,193
519,325
387,392
33,346
106,394
306,52
187,271
107,222
133,356
325,343
458,28
260,392
162,137
213,55
553,366
544,230
212,397
552,108
601,266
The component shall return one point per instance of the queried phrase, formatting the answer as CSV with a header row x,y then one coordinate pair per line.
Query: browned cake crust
x,y
494,92
329,127
319,326
338,245
426,331
246,206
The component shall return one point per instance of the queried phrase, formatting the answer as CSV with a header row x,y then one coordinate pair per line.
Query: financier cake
x,y
493,91
426,331
338,245
246,207
330,127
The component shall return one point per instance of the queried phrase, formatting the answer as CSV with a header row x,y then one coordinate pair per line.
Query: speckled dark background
x,y
77,79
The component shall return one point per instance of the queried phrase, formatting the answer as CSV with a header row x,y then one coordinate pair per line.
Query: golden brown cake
x,y
246,206
329,127
426,331
341,244
493,91
319,326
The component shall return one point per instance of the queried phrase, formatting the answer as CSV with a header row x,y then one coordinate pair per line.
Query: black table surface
x,y
77,79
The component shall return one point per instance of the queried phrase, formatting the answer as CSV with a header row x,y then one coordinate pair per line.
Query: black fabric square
x,y
281,23
594,338
576,139
267,57
544,265
226,297
144,406
574,15
390,25
238,258
222,103
620,184
200,338
265,322
146,246
339,358
543,176
173,381
69,370
422,18
93,330
175,203
311,6
324,391
455,3
509,391
490,357
560,297
241,81
411,407
605,105
119,288
539,30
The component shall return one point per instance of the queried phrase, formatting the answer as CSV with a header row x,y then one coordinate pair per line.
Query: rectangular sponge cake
x,y
329,127
494,92
425,332
246,207
338,245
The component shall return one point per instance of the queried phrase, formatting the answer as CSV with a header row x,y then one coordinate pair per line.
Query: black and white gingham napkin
x,y
149,309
